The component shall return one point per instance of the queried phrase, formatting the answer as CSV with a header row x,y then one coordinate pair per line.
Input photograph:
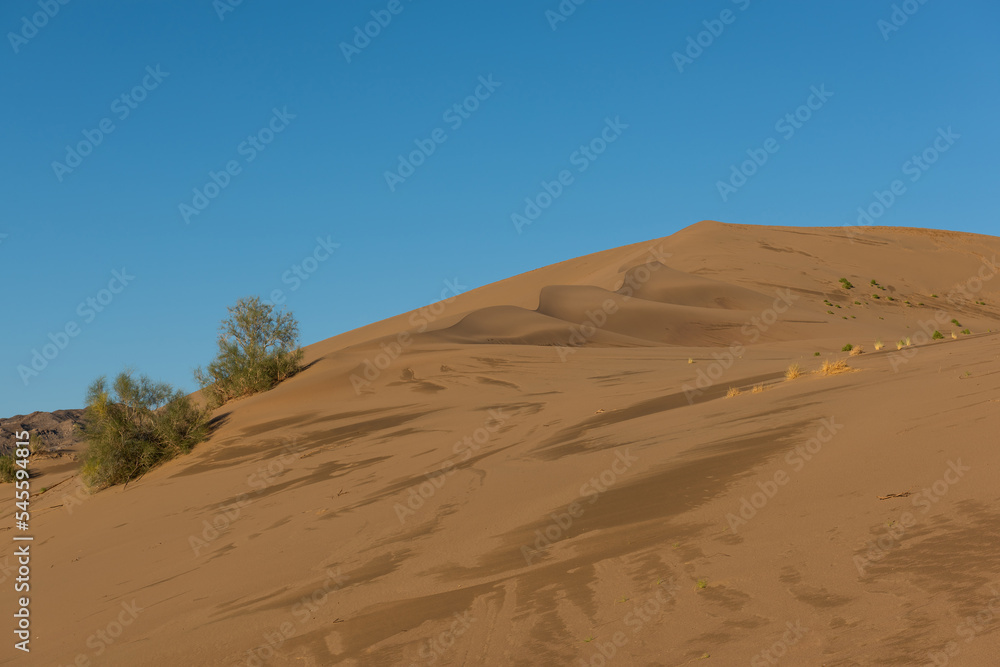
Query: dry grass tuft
x,y
758,388
834,367
793,372
855,351
879,345
954,335
733,391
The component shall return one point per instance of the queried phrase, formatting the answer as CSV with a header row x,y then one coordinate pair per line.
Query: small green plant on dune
x,y
846,283
8,468
956,322
937,335
258,348
934,296
847,348
830,312
876,296
966,332
857,303
874,283
134,425
815,354
702,584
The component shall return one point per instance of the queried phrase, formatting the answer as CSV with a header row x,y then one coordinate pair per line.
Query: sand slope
x,y
547,471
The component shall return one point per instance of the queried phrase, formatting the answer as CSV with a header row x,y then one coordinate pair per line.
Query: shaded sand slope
x,y
540,501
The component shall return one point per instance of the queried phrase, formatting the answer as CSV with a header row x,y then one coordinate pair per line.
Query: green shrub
x,y
846,283
937,335
847,348
8,469
956,322
966,332
258,348
135,425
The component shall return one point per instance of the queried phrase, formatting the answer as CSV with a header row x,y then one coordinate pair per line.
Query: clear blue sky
x,y
213,82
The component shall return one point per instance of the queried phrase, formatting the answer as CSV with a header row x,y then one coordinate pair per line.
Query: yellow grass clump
x,y
793,372
855,351
733,391
758,388
879,345
834,367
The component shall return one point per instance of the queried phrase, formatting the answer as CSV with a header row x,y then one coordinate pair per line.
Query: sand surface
x,y
548,471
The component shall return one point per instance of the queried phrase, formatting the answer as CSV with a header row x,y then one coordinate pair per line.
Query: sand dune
x,y
547,471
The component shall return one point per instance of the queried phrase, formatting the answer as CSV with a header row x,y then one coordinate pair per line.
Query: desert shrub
x,y
966,332
793,372
8,469
879,344
834,367
938,335
846,283
847,348
258,348
856,350
38,446
733,391
134,425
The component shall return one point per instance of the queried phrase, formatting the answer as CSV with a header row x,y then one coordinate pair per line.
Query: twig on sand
x,y
895,495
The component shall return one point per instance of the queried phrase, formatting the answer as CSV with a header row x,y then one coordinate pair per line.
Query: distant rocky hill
x,y
57,430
